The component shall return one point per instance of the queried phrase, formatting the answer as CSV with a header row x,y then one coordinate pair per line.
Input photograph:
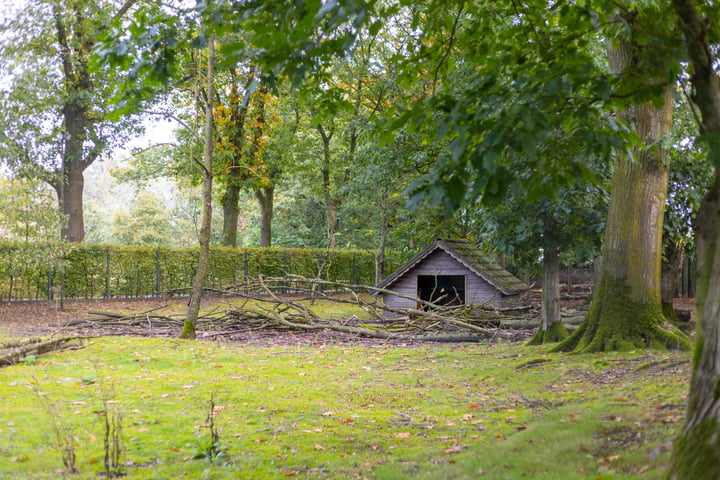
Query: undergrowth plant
x,y
212,449
63,430
112,437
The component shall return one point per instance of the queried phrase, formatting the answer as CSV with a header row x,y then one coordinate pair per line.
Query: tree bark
x,y
69,190
696,452
671,272
551,328
231,213
196,294
265,197
626,310
380,253
331,203
74,48
234,170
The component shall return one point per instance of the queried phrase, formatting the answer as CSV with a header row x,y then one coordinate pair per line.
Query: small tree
x,y
198,287
147,223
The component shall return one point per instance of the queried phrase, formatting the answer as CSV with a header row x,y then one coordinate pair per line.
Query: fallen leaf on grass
x,y
347,420
455,449
291,473
319,447
402,435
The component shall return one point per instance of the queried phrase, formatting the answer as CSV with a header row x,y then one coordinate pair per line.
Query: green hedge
x,y
105,271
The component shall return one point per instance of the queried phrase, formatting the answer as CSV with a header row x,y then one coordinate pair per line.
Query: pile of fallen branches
x,y
287,303
15,351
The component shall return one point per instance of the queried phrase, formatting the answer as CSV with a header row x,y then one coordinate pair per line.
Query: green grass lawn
x,y
460,411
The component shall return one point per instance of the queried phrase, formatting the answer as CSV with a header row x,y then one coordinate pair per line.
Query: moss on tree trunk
x,y
616,322
696,454
626,310
551,329
552,334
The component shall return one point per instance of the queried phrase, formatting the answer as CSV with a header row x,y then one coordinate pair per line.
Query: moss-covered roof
x,y
469,255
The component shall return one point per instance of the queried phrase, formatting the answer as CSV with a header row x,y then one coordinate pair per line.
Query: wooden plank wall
x,y
477,290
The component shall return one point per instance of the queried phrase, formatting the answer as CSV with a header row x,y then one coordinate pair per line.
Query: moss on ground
x,y
340,412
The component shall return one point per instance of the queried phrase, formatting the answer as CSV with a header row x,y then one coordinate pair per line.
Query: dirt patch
x,y
46,318
26,319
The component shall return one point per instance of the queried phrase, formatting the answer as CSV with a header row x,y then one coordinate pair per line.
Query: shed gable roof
x,y
466,253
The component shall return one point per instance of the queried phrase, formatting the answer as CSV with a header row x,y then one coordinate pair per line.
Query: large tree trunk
x,y
231,213
626,310
69,189
265,197
198,287
696,454
234,164
551,328
77,124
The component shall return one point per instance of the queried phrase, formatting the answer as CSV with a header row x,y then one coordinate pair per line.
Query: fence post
x,y
107,271
157,272
50,285
353,271
286,272
245,270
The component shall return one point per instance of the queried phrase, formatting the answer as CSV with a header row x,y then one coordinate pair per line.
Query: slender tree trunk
x,y
265,197
231,213
671,271
626,310
332,204
696,453
331,210
196,294
380,254
551,328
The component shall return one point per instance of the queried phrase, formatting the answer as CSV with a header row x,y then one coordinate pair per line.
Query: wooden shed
x,y
451,272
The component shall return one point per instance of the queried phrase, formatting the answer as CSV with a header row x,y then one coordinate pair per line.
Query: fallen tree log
x,y
36,346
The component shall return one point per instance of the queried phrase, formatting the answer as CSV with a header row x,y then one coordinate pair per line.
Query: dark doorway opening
x,y
441,290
